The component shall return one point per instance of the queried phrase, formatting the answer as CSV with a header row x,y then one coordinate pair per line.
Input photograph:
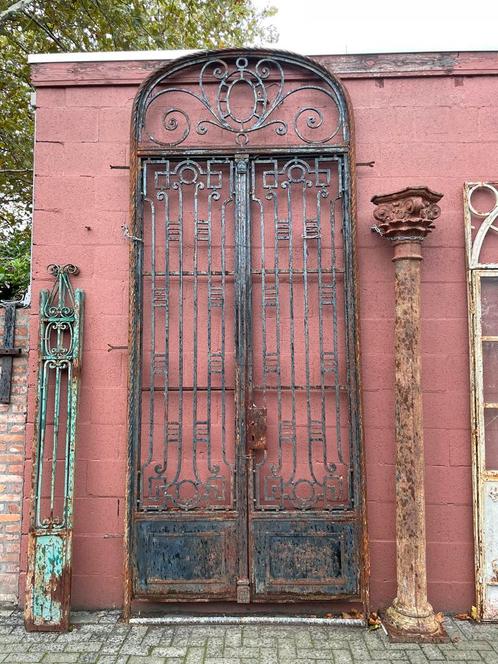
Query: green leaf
x,y
89,25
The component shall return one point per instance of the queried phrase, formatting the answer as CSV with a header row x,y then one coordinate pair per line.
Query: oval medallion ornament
x,y
243,95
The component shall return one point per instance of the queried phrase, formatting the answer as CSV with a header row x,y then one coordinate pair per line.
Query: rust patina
x,y
405,218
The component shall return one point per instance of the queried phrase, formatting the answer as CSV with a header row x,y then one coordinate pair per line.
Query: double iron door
x,y
246,470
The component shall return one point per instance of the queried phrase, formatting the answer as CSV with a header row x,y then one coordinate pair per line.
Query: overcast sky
x,y
358,26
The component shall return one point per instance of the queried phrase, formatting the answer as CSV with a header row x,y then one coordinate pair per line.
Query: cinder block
x,y
98,515
67,124
50,98
100,556
448,485
101,96
106,478
383,560
92,158
65,193
96,591
452,561
114,125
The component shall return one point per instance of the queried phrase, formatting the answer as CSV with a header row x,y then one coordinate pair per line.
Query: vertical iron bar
x,y
292,331
195,425
55,433
223,331
180,336
319,195
309,413
255,494
243,351
42,398
209,322
334,323
165,197
276,272
152,349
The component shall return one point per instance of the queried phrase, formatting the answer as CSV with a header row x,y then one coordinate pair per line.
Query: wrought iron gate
x,y
245,450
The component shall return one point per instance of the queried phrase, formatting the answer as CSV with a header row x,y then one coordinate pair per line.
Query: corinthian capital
x,y
406,215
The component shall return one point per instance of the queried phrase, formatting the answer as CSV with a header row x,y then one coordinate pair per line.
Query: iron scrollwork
x,y
243,95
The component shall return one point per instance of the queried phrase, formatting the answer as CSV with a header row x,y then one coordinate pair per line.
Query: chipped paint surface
x,y
48,564
490,551
481,212
49,554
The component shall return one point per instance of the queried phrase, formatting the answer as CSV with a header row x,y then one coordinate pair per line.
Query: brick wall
x,y
12,427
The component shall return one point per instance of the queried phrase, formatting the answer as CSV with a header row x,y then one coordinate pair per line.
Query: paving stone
x,y
112,659
169,651
490,657
195,655
88,658
303,639
112,645
135,659
469,655
233,637
432,652
85,617
287,651
342,657
244,651
214,645
60,658
20,647
85,646
309,653
417,657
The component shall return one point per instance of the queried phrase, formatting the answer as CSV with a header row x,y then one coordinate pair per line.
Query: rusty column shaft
x,y
410,521
406,218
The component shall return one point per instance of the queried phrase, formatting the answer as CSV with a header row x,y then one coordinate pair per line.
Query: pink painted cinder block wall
x,y
419,128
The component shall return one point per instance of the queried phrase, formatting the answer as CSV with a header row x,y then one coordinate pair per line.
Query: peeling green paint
x,y
49,564
50,536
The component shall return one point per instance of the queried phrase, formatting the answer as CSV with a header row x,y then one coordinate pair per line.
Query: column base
x,y
402,627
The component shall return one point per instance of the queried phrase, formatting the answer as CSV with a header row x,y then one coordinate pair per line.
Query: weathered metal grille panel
x,y
187,450
48,579
299,347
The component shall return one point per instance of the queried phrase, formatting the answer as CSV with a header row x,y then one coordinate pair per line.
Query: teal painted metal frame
x,y
50,537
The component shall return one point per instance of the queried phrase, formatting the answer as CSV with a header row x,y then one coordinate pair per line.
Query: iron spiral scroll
x,y
262,86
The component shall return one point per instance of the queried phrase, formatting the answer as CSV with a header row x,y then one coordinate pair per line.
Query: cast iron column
x,y
405,218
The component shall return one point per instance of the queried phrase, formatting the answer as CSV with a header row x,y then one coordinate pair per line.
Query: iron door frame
x,y
134,233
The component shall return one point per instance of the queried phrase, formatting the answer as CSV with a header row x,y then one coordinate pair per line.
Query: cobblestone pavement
x,y
99,638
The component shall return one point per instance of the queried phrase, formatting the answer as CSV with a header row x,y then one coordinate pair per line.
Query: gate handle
x,y
256,428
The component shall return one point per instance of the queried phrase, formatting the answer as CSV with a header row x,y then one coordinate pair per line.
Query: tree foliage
x,y
49,26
